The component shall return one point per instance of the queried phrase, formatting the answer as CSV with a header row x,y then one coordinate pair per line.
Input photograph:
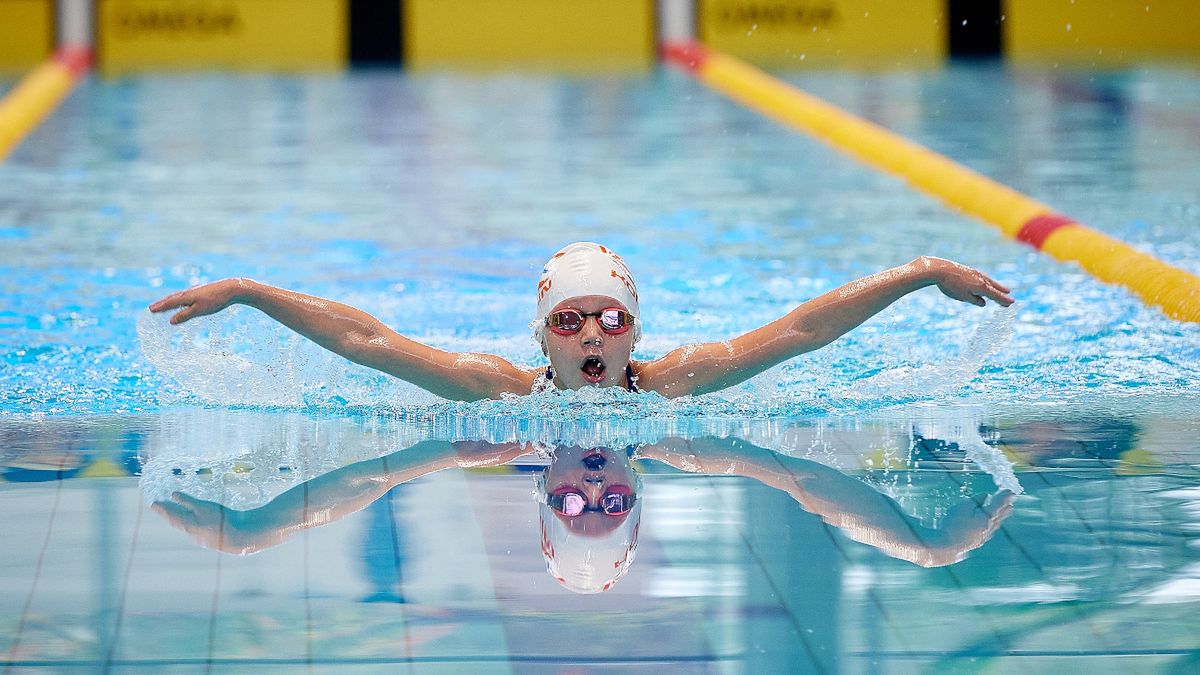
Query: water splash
x,y
242,359
962,429
941,379
244,458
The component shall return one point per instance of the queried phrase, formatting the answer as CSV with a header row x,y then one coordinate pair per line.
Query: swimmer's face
x,y
592,472
589,357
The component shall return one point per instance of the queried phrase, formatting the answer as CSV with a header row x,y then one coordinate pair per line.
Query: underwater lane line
x,y
38,94
1174,291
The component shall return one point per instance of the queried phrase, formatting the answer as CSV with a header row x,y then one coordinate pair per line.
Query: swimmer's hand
x,y
212,525
965,284
201,300
970,524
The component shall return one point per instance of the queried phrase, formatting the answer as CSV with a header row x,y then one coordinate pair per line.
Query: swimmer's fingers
x,y
187,300
1003,498
172,301
194,505
969,285
1004,299
189,312
200,516
175,514
198,301
995,284
997,291
1000,506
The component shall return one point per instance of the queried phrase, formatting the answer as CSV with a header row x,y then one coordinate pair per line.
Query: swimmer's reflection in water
x,y
590,503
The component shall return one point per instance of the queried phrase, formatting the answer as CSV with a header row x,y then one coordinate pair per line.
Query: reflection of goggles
x,y
613,321
571,503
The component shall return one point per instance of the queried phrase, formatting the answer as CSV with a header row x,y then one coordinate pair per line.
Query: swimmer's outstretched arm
x,y
704,368
861,512
358,336
324,499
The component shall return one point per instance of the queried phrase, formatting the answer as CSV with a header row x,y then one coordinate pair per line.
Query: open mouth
x,y
594,460
593,369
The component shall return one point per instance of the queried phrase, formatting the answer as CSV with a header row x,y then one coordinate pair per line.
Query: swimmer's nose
x,y
594,462
591,333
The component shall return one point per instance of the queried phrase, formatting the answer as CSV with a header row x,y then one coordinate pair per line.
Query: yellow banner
x,y
26,33
800,33
134,35
1102,31
555,34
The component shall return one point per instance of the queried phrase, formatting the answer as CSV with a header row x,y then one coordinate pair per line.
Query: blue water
x,y
431,201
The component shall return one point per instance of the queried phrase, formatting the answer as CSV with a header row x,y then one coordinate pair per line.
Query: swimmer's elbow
x,y
371,349
807,338
356,346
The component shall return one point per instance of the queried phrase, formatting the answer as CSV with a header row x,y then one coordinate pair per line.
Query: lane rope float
x,y
38,94
1174,291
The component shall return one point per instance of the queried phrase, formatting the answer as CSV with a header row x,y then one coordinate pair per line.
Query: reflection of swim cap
x,y
589,562
584,268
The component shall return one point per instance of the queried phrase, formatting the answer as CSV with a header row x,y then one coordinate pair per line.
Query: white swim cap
x,y
590,552
585,268
589,562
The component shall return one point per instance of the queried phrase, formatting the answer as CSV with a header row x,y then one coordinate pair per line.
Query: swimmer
x,y
587,324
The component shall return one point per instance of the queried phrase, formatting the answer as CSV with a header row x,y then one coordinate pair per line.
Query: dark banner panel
x,y
375,32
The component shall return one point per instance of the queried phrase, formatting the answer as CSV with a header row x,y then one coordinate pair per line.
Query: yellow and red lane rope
x,y
38,94
1158,284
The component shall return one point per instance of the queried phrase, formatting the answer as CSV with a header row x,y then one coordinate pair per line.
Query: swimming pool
x,y
431,201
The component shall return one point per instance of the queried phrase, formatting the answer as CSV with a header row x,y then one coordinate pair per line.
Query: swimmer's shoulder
x,y
642,375
657,376
533,379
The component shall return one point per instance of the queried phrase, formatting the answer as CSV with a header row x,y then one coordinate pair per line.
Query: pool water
x,y
431,201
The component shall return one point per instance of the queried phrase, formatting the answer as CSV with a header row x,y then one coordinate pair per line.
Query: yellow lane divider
x,y
1158,284
37,94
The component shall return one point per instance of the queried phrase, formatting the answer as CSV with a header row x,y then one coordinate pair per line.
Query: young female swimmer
x,y
587,324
